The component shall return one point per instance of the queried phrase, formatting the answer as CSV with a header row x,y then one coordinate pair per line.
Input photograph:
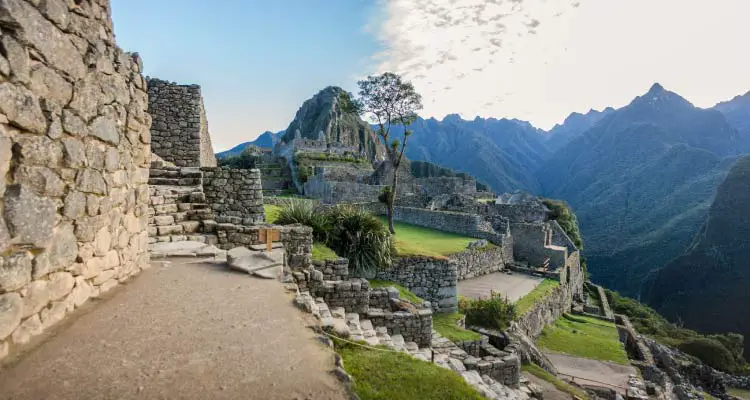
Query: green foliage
x,y
321,252
360,237
649,322
562,386
527,302
386,196
413,240
584,337
249,158
346,157
561,212
389,375
711,352
494,312
299,211
403,293
446,324
272,213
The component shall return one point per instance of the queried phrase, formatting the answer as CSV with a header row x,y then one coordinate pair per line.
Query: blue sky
x,y
536,60
256,61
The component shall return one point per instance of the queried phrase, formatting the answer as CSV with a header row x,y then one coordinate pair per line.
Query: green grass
x,y
412,240
741,393
562,386
485,201
525,303
321,252
403,292
272,212
584,337
446,325
387,375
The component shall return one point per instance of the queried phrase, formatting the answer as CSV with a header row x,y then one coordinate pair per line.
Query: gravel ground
x,y
513,286
180,331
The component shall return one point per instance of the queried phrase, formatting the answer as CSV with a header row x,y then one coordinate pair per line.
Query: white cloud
x,y
542,59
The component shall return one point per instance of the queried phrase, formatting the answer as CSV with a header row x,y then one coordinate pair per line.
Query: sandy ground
x,y
180,331
592,372
513,286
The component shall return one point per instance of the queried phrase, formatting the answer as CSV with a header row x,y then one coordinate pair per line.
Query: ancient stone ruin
x,y
74,162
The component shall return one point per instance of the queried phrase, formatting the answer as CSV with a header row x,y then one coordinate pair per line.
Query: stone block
x,y
15,271
35,298
30,218
29,328
11,311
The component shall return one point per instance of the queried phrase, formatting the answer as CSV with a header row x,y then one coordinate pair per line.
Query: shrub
x,y
298,211
360,237
711,352
495,312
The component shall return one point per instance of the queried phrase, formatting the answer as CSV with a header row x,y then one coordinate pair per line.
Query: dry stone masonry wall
x,y
472,225
74,159
180,128
235,195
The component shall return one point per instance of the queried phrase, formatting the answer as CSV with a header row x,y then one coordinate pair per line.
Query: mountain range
x,y
641,178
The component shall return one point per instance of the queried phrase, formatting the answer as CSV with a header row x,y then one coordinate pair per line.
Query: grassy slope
x,y
559,384
584,337
412,240
272,212
403,292
525,303
387,375
321,252
445,324
741,393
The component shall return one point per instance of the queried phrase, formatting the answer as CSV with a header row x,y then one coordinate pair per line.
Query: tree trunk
x,y
391,201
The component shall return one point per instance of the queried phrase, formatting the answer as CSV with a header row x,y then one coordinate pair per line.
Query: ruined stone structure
x,y
179,128
74,159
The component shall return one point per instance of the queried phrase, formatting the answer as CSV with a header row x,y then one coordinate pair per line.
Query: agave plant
x,y
301,211
362,238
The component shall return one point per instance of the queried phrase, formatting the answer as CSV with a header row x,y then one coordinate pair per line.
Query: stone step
x,y
398,342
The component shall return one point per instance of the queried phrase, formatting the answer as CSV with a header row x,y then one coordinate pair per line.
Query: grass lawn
x,y
445,324
562,386
403,292
387,375
412,240
741,393
321,252
525,303
485,201
272,212
584,337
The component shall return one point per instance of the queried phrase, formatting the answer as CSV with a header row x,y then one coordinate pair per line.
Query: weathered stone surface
x,y
11,310
56,11
91,181
44,36
75,153
53,314
60,284
18,59
15,271
102,242
39,150
42,180
75,205
105,128
4,349
21,107
30,218
50,85
28,329
103,277
73,124
81,292
36,297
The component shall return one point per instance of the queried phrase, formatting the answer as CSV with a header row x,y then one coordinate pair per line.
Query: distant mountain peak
x,y
656,88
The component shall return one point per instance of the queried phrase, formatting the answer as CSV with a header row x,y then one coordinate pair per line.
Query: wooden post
x,y
269,236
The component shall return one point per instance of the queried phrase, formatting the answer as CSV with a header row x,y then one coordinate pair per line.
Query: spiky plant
x,y
301,211
362,238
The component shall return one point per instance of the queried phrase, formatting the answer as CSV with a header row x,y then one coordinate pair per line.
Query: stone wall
x,y
532,243
353,295
472,225
535,212
415,326
179,129
333,192
74,158
431,279
478,262
447,185
333,270
235,195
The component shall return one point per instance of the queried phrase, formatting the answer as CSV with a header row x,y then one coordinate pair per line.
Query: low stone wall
x,y
525,213
478,262
635,347
333,270
414,327
434,186
353,295
431,279
502,366
472,225
235,195
297,240
545,312
334,192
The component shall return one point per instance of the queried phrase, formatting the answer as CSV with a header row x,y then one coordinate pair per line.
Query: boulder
x,y
246,260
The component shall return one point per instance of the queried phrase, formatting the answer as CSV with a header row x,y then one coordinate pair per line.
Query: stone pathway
x,y
592,372
513,286
182,329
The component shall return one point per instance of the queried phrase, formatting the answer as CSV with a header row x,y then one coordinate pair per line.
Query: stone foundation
x,y
74,158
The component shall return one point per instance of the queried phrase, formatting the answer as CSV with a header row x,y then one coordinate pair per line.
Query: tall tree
x,y
387,100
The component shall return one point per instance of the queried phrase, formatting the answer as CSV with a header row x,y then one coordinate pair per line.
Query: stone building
x,y
74,159
180,127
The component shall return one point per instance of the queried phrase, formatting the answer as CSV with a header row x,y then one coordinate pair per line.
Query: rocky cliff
x,y
321,119
707,287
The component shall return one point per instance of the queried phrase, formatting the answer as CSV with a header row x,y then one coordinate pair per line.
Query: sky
x,y
257,61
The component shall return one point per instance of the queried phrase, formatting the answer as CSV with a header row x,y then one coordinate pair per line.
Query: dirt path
x,y
592,372
549,390
513,286
181,331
